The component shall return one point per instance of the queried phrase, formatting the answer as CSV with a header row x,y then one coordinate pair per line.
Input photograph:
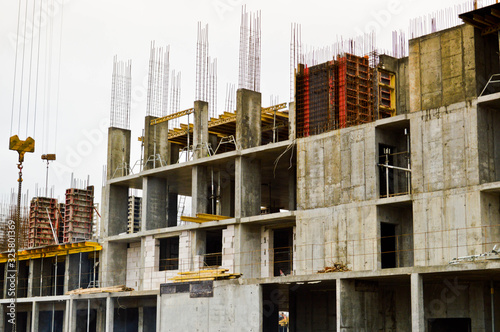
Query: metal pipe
x,y
41,276
395,167
187,155
88,315
55,277
387,173
53,316
408,177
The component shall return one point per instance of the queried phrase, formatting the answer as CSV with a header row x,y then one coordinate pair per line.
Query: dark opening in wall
x,y
450,325
149,321
126,320
21,322
2,283
388,245
51,321
169,253
396,235
283,251
213,253
84,318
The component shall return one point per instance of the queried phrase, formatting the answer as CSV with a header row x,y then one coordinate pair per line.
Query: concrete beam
x,y
118,152
200,129
417,303
248,118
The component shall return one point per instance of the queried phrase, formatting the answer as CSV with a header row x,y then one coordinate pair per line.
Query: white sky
x,y
94,31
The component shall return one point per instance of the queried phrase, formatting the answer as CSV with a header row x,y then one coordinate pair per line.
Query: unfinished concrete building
x,y
346,216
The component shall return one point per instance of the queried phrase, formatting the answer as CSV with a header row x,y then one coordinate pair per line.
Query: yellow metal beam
x,y
54,250
172,116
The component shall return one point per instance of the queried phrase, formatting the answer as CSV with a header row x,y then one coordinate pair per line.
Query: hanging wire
x,y
59,76
15,68
37,67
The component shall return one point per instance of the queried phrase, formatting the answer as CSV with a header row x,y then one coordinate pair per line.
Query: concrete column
x,y
118,152
110,313
199,190
140,319
248,118
113,264
30,279
67,275
200,128
247,187
417,303
2,319
247,250
115,218
154,199
155,143
34,317
158,312
67,310
71,315
291,121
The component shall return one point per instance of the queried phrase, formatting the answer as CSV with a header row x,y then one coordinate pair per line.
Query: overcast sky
x,y
94,31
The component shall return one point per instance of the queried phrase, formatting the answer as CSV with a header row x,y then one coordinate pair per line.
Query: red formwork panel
x,y
342,95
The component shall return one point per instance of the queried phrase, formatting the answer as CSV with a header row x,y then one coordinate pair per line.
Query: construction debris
x,y
111,289
337,267
202,275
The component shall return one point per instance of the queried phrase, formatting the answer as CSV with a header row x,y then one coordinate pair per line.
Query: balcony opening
x,y
283,251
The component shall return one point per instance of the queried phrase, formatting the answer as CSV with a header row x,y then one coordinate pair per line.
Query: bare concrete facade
x,y
328,201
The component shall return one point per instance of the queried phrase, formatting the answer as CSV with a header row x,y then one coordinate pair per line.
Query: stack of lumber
x,y
337,267
111,289
203,275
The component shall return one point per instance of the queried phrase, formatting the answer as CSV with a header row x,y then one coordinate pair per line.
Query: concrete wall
x,y
368,306
442,68
233,307
342,234
133,265
336,168
444,148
